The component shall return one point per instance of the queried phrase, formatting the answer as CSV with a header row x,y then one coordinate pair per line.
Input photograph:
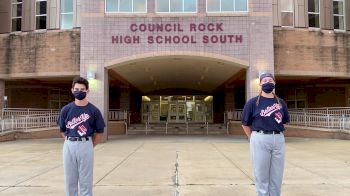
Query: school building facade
x,y
174,60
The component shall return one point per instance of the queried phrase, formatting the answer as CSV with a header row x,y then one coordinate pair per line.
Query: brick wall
x,y
48,53
303,52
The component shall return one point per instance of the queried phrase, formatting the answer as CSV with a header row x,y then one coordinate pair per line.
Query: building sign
x,y
176,33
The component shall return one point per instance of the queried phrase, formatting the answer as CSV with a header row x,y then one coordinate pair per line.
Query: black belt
x,y
269,132
77,138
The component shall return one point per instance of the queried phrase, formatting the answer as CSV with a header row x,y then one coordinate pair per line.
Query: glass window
x,y
16,15
177,6
40,14
66,14
314,13
338,14
227,5
287,11
126,6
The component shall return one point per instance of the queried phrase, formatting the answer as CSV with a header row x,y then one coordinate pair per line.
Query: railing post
x,y
166,128
207,124
12,123
126,128
327,119
186,128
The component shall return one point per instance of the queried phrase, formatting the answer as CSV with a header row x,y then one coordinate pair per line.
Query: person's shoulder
x,y
284,103
68,106
92,107
252,100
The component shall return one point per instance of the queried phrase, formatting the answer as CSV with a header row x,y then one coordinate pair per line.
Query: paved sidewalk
x,y
146,166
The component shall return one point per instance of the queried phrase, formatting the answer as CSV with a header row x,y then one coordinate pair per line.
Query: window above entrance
x,y
227,6
125,6
176,6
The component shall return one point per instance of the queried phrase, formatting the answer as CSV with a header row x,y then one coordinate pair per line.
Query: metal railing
x,y
25,122
9,112
331,118
32,118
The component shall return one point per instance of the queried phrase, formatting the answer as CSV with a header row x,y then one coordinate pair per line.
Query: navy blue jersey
x,y
80,121
267,116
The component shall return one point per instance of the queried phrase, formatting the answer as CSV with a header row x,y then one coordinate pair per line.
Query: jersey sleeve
x,y
285,118
247,114
62,119
99,122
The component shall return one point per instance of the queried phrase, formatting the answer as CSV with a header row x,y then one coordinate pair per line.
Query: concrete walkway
x,y
175,165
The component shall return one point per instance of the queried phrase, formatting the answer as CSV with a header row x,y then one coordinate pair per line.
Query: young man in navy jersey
x,y
263,120
82,126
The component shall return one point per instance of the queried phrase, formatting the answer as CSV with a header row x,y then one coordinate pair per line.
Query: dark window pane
x,y
40,7
301,104
16,24
314,20
16,10
314,6
41,22
339,22
287,19
338,7
16,1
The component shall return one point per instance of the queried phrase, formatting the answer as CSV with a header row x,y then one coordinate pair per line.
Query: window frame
x,y
225,12
132,6
66,13
183,8
40,15
315,13
343,15
17,17
293,13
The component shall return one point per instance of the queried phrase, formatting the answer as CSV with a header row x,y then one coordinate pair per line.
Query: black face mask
x,y
80,95
268,87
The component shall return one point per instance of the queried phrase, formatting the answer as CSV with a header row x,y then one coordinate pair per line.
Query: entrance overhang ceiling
x,y
174,72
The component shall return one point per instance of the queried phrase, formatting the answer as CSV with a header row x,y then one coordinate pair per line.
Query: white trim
x,y
223,12
16,3
39,15
315,13
293,12
343,15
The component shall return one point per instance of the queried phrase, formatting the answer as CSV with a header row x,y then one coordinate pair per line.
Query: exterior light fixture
x,y
90,75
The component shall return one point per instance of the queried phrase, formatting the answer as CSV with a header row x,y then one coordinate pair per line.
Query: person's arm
x,y
97,138
62,134
247,130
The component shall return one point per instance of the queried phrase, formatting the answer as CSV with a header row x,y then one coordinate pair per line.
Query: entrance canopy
x,y
177,72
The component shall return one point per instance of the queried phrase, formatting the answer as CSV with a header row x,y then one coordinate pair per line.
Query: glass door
x,y
172,112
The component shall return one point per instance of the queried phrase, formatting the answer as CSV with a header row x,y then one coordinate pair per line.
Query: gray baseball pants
x,y
78,162
267,154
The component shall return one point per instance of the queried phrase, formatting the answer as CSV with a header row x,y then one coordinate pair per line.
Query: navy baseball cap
x,y
264,75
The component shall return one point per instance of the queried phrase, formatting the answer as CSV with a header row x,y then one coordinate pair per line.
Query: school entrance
x,y
178,108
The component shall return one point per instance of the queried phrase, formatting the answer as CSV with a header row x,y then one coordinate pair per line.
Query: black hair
x,y
80,80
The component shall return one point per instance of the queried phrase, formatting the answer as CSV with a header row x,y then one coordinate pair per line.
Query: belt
x,y
77,138
269,132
